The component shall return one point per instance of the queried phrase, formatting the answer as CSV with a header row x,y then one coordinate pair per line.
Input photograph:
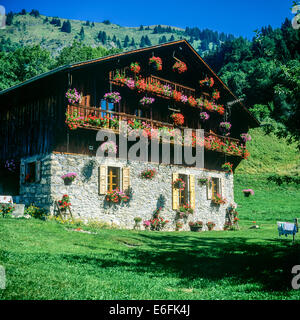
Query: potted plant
x,y
64,203
156,63
178,225
248,192
146,101
184,211
146,224
178,119
112,97
68,178
196,226
137,223
218,199
179,67
204,116
135,67
210,225
73,96
227,167
179,184
148,174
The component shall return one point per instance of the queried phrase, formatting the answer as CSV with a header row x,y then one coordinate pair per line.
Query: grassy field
x,y
47,260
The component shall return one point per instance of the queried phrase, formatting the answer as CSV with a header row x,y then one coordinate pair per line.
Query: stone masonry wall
x,y
88,204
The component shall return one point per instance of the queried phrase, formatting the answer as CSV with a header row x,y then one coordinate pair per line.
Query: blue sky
x,y
230,16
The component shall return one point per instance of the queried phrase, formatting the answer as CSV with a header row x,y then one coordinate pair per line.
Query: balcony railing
x,y
78,116
187,91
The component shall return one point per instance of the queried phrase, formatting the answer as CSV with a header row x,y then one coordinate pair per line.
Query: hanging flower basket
x,y
196,226
178,119
227,167
69,178
248,192
73,96
148,174
112,97
146,101
204,116
135,67
225,128
246,137
179,184
156,63
179,67
216,95
109,147
207,82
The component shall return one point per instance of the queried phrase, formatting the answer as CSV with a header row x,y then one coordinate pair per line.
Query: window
x,y
30,172
184,194
181,197
113,178
215,187
105,105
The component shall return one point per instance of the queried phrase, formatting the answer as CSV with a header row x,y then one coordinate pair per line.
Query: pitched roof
x,y
128,53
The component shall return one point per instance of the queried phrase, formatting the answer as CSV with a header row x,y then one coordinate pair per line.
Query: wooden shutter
x,y
209,188
102,180
222,186
38,171
22,172
125,178
192,191
175,193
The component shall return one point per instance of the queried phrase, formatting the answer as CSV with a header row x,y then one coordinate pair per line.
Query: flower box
x,y
210,225
196,226
116,197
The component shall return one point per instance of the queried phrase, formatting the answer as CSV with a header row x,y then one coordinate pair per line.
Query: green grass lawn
x,y
46,260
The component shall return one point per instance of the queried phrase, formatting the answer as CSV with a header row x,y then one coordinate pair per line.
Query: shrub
x,y
6,209
36,212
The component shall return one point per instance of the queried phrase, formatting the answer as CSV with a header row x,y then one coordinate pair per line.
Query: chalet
x,y
46,134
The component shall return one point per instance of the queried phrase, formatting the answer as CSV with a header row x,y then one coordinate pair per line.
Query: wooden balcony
x,y
152,80
95,119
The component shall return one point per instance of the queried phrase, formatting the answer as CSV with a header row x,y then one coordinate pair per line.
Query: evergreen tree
x,y
9,18
132,43
141,28
35,13
81,34
172,38
23,12
142,43
147,41
66,27
126,41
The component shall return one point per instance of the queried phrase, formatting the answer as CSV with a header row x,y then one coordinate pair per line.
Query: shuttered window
x,y
30,172
111,178
181,197
215,186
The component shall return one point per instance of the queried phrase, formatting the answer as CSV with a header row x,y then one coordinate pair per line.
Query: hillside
x,y
28,29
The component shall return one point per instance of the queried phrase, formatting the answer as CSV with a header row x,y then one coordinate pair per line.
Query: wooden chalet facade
x,y
45,135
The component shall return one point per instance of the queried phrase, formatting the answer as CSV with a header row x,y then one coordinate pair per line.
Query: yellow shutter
x,y
102,180
192,191
175,193
209,188
222,186
126,178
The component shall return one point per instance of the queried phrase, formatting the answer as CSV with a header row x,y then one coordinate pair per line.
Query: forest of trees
x,y
265,71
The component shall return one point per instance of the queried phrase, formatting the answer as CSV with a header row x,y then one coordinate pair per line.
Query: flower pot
x,y
67,182
247,194
195,229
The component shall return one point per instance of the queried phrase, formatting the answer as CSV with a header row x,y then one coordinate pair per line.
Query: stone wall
x,y
147,194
